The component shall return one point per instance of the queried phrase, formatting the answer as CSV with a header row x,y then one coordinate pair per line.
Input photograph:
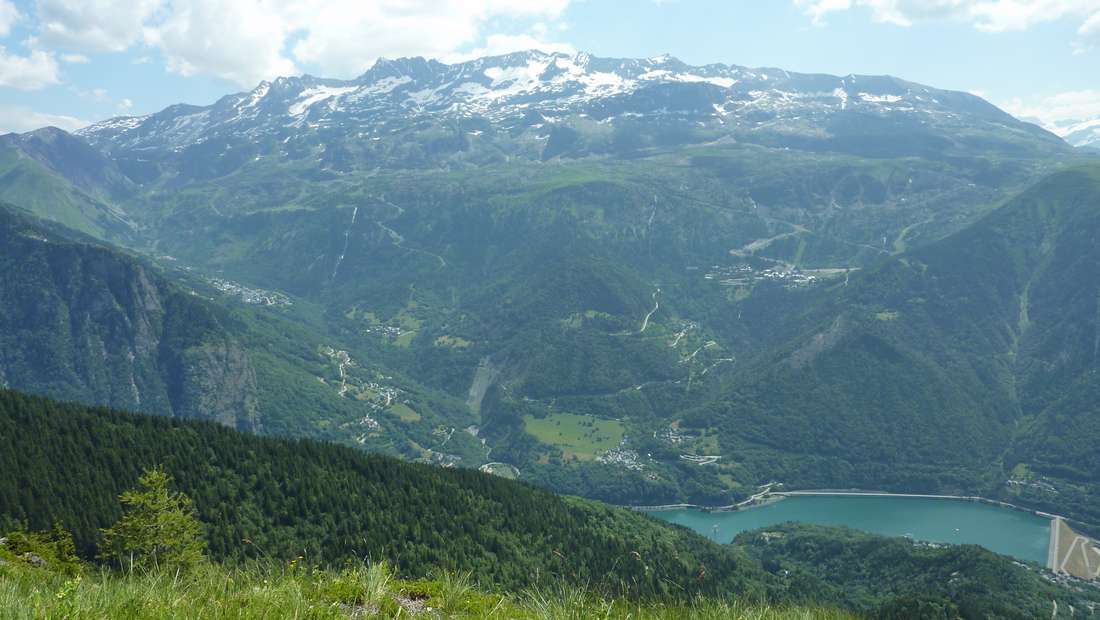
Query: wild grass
x,y
273,591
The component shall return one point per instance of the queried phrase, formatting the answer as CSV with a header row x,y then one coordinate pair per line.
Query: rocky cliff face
x,y
218,381
83,322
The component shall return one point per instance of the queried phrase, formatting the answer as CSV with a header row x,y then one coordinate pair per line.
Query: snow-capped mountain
x,y
1080,133
551,104
1076,132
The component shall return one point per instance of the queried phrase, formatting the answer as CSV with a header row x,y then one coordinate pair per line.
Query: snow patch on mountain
x,y
381,87
842,95
870,98
121,123
520,78
256,95
723,82
317,95
602,83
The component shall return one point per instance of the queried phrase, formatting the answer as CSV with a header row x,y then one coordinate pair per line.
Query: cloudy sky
x,y
70,62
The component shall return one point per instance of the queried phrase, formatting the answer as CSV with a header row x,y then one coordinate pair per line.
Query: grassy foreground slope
x,y
270,498
271,591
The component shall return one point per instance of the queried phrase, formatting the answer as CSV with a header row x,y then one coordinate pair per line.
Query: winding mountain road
x,y
397,239
656,306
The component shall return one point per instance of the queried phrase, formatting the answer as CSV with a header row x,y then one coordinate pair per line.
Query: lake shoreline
x,y
757,503
968,498
949,519
769,497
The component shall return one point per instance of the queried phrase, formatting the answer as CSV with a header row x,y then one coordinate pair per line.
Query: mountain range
x,y
629,279
415,113
1083,133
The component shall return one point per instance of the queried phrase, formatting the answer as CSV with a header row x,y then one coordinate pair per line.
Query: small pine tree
x,y
158,528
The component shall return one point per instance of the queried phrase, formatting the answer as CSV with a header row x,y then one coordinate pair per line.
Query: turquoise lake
x,y
1011,532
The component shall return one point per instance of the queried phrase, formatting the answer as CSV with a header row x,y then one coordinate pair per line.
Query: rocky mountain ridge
x,y
534,104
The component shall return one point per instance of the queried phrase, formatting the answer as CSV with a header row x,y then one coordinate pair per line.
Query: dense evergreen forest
x,y
263,497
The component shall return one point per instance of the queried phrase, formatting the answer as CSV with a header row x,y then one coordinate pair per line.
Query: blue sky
x,y
67,62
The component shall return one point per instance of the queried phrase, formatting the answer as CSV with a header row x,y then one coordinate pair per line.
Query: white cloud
x,y
95,95
102,100
985,15
36,70
345,37
19,119
239,40
818,9
500,44
245,41
74,59
1057,112
1091,27
1089,33
8,16
94,25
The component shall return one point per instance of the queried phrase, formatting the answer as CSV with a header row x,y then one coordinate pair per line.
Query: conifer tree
x,y
158,528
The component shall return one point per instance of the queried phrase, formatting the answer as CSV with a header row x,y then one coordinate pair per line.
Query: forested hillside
x,y
900,578
950,367
83,321
271,498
